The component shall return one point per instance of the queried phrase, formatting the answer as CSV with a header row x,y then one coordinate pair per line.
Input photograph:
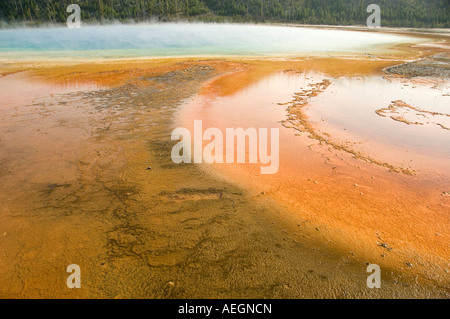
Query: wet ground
x,y
337,161
87,179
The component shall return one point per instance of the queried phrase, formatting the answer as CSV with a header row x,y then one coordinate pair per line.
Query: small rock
x,y
409,264
171,283
317,228
149,168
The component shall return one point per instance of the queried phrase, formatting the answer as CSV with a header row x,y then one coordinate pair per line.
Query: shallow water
x,y
76,189
346,112
145,40
351,199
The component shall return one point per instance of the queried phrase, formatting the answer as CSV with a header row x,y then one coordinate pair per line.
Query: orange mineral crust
x,y
87,178
391,215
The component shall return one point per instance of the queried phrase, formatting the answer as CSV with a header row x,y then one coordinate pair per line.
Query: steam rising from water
x,y
142,40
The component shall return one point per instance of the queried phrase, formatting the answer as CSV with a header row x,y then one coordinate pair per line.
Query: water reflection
x,y
345,112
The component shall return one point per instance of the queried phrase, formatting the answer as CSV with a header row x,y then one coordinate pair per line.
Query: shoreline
x,y
329,190
283,24
413,188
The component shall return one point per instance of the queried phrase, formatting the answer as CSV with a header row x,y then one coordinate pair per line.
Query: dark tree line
x,y
394,13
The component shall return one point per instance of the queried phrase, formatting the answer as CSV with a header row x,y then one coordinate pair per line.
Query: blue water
x,y
149,40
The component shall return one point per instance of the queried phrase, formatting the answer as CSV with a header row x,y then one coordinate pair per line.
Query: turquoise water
x,y
150,40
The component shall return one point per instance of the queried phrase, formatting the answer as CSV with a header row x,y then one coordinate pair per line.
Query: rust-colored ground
x,y
87,179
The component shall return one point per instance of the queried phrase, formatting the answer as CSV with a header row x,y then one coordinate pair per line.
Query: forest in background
x,y
394,13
